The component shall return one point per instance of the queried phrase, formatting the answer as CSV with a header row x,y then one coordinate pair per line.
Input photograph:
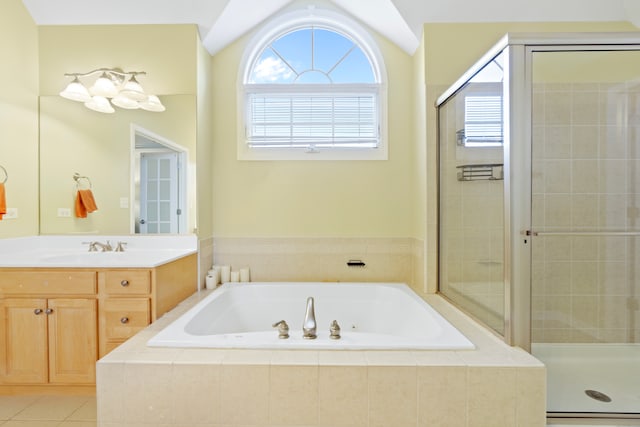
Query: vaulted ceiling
x,y
220,22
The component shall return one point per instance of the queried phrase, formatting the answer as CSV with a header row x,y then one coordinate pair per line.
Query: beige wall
x,y
19,117
314,198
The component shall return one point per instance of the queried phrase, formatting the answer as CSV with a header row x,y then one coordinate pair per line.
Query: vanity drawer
x,y
127,282
44,282
124,317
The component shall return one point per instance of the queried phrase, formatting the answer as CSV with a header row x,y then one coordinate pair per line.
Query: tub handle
x,y
124,320
283,329
334,330
124,283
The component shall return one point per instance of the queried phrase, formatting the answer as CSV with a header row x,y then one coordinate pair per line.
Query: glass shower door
x,y
586,226
471,186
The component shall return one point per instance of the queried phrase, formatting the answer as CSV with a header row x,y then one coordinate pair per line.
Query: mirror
x,y
159,184
102,147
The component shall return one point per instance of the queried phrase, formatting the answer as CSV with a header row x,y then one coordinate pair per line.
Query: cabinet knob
x,y
124,283
49,310
37,311
124,320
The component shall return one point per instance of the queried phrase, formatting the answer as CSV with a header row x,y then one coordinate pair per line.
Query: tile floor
x,y
47,411
77,411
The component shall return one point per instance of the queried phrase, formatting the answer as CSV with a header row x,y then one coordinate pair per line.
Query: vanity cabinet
x,y
48,327
125,305
55,323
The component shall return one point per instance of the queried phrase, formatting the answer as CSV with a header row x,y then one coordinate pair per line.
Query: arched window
x,y
313,86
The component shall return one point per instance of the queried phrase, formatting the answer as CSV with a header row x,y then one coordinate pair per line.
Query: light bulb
x,y
125,102
104,86
76,91
133,90
99,104
152,104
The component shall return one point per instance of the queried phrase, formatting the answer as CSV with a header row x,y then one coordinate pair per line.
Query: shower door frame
x,y
517,146
518,155
608,42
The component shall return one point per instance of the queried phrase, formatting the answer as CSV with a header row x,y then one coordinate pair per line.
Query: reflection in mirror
x,y
74,139
471,191
483,116
160,184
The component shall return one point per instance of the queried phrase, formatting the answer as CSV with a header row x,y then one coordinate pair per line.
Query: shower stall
x,y
539,209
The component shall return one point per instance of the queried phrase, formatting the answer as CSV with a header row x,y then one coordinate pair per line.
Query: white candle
x,y
244,275
210,282
225,273
235,276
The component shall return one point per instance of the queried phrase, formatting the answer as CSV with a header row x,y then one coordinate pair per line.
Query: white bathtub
x,y
372,316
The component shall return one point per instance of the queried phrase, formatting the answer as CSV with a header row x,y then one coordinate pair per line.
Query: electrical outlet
x,y
64,212
12,213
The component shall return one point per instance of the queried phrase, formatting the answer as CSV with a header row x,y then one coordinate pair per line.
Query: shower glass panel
x,y
471,235
585,202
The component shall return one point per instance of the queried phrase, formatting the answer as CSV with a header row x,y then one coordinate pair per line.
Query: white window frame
x,y
479,90
303,19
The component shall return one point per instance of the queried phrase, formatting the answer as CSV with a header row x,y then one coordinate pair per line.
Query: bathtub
x,y
372,316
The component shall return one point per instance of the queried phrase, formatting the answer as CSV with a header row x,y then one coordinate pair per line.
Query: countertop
x,y
72,251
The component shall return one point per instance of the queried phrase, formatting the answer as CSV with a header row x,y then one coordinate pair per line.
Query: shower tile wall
x,y
471,224
586,177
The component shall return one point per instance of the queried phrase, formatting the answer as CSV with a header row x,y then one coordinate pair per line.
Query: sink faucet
x,y
309,325
93,246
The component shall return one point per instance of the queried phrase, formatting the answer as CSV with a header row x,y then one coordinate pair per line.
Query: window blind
x,y
483,120
312,120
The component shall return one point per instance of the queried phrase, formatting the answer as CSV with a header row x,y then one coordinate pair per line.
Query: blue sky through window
x,y
312,55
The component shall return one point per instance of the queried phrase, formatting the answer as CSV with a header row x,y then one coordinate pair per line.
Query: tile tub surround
x,y
492,386
325,259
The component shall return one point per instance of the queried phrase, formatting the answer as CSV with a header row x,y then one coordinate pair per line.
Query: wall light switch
x,y
124,202
64,212
12,213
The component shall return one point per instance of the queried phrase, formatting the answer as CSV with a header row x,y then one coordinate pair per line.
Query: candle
x,y
225,273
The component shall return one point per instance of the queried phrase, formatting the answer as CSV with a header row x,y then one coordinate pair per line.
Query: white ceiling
x,y
220,22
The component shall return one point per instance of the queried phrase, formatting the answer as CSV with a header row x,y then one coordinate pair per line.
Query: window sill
x,y
329,154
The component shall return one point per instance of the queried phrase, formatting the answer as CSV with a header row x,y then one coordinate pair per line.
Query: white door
x,y
159,183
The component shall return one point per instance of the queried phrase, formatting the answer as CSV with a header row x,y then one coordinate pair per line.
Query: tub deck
x,y
494,385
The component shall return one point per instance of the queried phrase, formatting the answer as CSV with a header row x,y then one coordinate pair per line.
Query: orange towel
x,y
3,201
85,203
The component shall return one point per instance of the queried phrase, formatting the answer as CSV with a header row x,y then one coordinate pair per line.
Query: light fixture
x,y
112,87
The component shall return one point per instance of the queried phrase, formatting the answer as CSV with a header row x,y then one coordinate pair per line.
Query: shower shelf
x,y
478,172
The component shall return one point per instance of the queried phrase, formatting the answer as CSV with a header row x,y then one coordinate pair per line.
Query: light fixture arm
x,y
115,71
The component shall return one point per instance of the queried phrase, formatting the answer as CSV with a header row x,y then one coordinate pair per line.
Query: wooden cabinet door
x,y
73,341
23,341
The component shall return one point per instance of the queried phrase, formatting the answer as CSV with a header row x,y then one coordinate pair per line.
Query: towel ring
x,y
77,177
6,175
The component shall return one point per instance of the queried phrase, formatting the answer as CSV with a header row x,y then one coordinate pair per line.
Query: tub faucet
x,y
309,325
283,329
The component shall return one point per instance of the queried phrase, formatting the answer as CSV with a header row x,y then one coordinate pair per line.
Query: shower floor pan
x,y
591,380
